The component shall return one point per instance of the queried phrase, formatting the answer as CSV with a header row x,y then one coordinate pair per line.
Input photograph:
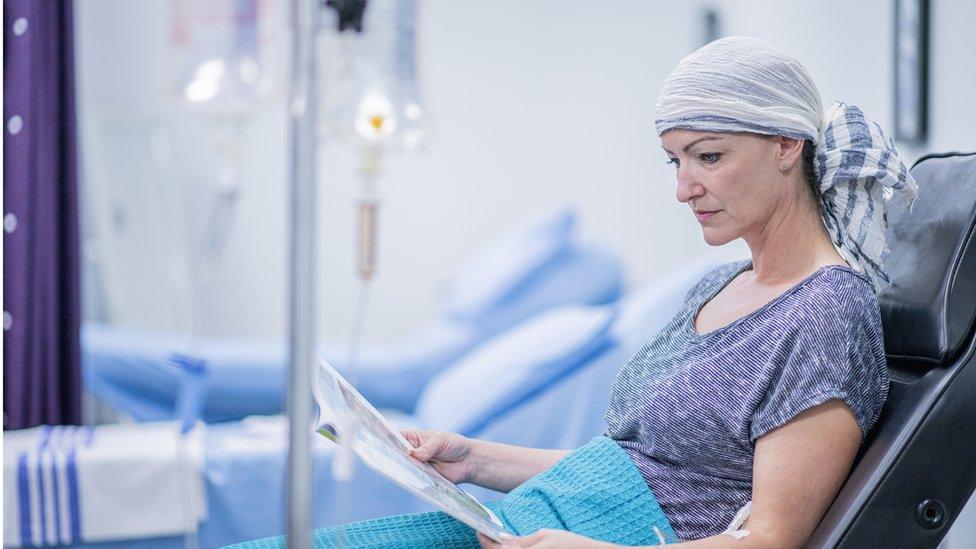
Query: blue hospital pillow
x,y
509,369
508,262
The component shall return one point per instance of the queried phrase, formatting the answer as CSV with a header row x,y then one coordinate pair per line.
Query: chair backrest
x,y
917,469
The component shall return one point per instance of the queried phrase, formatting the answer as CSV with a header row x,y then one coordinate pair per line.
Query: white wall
x,y
536,104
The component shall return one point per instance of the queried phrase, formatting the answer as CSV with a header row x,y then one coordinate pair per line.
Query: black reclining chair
x,y
917,469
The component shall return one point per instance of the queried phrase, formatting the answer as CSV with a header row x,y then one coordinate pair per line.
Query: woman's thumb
x,y
411,437
428,449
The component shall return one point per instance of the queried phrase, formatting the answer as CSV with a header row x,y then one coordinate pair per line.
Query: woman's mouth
x,y
704,215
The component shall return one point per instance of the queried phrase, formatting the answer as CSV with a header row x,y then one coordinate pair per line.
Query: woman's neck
x,y
792,245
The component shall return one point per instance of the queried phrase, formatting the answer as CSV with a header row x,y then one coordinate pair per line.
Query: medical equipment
x,y
222,71
371,98
303,116
223,55
370,91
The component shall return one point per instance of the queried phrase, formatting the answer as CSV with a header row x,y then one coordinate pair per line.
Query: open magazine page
x,y
385,450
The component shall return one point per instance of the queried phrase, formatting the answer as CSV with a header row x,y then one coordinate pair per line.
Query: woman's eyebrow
x,y
695,142
699,140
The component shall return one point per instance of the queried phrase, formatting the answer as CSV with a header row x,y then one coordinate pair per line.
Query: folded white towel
x,y
68,484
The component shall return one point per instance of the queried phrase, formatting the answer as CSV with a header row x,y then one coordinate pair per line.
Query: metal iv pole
x,y
303,117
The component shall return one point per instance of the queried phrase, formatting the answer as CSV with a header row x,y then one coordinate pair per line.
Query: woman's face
x,y
731,181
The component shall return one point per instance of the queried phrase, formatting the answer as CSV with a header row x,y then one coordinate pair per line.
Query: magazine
x,y
381,447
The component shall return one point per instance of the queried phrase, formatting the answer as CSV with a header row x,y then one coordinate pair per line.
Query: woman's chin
x,y
716,238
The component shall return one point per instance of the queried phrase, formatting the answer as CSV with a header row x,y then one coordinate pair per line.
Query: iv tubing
x,y
341,496
366,225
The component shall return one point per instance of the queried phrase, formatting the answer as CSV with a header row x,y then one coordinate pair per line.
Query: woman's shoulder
x,y
842,283
838,296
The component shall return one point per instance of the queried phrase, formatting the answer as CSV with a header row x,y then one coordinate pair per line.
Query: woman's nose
x,y
688,186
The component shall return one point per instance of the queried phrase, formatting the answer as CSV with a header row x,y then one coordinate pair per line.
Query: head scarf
x,y
740,84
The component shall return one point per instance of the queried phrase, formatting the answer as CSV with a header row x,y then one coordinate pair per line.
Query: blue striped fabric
x,y
859,170
49,505
688,408
23,493
41,495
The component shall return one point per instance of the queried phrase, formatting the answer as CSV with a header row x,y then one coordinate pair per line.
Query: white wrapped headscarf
x,y
740,84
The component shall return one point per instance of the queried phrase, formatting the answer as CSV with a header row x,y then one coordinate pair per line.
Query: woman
x,y
750,405
765,384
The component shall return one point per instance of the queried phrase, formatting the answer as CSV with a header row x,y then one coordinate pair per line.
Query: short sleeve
x,y
837,353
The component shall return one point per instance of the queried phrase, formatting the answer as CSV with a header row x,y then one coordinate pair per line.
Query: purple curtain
x,y
41,301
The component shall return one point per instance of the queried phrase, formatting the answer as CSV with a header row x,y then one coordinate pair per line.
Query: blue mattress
x,y
133,369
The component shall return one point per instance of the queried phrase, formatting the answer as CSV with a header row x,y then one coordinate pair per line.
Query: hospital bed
x,y
531,269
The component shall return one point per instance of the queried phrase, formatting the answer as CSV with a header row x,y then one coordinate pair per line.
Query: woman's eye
x,y
674,162
709,158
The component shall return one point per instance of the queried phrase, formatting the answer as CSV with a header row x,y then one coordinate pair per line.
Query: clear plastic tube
x,y
343,463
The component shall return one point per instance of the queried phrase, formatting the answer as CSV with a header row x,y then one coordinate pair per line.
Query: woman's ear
x,y
789,152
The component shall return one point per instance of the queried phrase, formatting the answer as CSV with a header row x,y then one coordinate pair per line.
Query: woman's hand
x,y
544,539
449,453
499,467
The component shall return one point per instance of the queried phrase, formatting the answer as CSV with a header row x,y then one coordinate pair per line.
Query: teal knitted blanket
x,y
595,491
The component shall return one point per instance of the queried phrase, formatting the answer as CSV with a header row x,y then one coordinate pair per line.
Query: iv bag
x,y
369,85
224,61
223,54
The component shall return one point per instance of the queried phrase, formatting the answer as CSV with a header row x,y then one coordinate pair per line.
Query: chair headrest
x,y
929,307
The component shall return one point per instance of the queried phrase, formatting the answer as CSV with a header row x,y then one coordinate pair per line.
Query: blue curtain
x,y
41,301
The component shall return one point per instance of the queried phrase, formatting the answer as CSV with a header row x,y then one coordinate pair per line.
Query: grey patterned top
x,y
688,408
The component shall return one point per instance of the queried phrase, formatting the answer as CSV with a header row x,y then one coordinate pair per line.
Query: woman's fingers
x,y
429,447
486,542
527,541
419,440
436,445
489,543
412,437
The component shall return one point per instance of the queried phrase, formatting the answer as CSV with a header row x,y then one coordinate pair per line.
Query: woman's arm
x,y
503,467
798,469
492,465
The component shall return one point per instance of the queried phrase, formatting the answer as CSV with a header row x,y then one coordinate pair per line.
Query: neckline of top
x,y
690,320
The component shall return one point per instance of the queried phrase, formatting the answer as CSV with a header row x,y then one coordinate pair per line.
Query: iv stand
x,y
303,117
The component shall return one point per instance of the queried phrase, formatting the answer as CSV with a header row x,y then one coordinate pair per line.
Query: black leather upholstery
x,y
929,308
917,468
